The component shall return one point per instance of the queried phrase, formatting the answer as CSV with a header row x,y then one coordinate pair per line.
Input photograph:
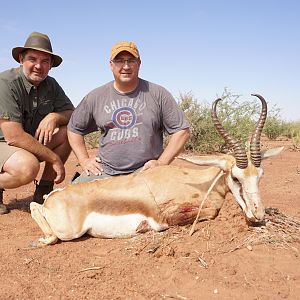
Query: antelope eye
x,y
234,179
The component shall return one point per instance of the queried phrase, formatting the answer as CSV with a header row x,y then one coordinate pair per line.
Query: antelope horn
x,y
239,151
255,138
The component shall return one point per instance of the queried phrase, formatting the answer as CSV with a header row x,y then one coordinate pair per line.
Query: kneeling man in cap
x,y
34,112
132,114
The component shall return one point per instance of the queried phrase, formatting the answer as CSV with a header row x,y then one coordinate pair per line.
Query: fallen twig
x,y
91,268
221,173
203,262
174,297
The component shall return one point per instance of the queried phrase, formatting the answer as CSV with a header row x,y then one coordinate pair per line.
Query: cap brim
x,y
127,49
57,60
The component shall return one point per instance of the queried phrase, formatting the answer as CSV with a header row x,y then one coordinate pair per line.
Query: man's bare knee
x,y
29,171
20,169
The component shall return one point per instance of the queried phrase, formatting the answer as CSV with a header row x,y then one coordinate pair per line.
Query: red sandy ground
x,y
221,260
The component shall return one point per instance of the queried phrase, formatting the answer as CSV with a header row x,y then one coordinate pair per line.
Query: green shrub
x,y
203,136
92,139
273,128
237,117
292,131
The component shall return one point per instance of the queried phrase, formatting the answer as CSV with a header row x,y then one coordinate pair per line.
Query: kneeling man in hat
x,y
34,112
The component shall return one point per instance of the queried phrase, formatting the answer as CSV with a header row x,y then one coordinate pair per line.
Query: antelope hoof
x,y
44,241
36,244
143,227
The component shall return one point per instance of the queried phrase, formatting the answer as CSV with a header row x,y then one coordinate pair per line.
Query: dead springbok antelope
x,y
157,198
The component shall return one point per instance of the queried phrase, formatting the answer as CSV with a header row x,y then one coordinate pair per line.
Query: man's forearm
x,y
27,142
63,117
78,145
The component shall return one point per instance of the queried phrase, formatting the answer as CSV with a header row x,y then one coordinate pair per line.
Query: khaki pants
x,y
6,152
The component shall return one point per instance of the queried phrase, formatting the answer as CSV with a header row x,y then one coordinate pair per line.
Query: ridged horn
x,y
239,151
255,138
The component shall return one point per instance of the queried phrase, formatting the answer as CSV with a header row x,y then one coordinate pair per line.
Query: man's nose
x,y
126,63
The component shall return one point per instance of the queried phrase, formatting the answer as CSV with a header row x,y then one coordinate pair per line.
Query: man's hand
x,y
92,165
174,147
59,169
46,129
152,164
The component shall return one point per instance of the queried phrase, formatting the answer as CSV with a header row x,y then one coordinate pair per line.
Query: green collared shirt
x,y
22,102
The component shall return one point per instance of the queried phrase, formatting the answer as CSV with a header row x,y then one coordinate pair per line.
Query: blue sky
x,y
186,46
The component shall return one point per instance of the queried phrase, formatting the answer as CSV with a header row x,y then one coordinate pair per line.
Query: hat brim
x,y
127,49
57,60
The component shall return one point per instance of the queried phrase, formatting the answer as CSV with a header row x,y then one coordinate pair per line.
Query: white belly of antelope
x,y
109,226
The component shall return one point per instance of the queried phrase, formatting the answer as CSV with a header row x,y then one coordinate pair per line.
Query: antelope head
x,y
245,170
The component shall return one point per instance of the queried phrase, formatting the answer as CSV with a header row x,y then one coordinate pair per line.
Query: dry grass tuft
x,y
279,229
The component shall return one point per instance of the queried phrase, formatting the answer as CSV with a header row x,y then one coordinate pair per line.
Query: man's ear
x,y
52,62
21,58
111,65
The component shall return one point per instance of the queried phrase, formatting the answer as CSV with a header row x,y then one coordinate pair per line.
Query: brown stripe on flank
x,y
110,197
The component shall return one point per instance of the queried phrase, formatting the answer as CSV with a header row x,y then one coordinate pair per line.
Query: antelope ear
x,y
223,162
271,152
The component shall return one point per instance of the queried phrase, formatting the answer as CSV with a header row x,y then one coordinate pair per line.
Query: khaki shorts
x,y
6,152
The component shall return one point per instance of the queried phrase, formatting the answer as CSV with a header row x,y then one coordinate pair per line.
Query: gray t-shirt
x,y
132,124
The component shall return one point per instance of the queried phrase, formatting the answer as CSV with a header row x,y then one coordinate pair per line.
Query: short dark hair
x,y
24,52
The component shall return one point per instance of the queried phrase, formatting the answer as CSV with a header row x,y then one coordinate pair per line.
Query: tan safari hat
x,y
124,46
40,42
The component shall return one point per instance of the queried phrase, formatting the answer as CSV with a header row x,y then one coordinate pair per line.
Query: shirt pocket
x,y
45,108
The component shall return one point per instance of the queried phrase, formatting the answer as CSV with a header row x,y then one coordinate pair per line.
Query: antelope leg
x,y
50,237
